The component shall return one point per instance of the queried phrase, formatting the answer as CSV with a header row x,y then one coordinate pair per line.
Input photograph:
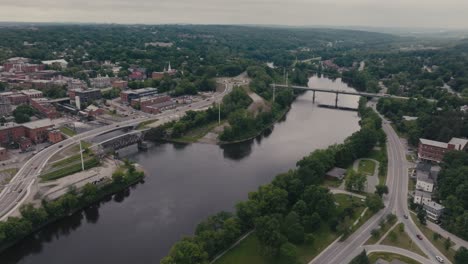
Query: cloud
x,y
394,13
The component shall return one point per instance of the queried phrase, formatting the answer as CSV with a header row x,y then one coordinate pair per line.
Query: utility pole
x,y
82,161
219,112
274,91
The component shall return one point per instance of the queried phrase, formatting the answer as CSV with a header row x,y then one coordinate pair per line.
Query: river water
x,y
184,185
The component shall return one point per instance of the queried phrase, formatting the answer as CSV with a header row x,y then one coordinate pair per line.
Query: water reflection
x,y
185,183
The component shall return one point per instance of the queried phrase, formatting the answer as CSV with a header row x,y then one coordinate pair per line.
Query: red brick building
x,y
150,100
120,84
34,132
435,150
45,108
3,154
54,136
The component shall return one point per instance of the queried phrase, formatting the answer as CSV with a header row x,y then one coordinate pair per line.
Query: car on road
x,y
419,236
405,216
440,259
60,146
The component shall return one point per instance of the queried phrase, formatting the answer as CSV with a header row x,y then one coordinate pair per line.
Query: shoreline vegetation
x,y
33,218
292,213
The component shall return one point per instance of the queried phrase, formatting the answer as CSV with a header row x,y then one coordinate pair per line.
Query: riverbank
x,y
260,132
34,219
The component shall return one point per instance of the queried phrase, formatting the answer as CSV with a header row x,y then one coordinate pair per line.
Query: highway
x,y
17,191
395,202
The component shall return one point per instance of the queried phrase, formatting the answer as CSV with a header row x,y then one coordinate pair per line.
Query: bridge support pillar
x,y
313,97
336,101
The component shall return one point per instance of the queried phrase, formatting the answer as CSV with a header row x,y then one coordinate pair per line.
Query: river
x,y
184,185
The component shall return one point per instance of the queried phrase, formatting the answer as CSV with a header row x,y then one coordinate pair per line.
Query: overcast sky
x,y
379,13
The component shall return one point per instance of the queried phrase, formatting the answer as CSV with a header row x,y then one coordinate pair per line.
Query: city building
x,y
434,150
159,44
25,134
93,110
423,181
21,65
421,197
159,107
61,63
100,82
32,93
54,135
15,98
149,100
433,210
3,154
44,107
120,84
160,75
137,76
38,131
128,95
5,107
84,96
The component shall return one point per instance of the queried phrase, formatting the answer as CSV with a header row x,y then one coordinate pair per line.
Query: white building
x,y
100,82
433,210
424,182
62,63
421,197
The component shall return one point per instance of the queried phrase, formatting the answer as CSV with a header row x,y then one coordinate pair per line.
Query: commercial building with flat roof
x,y
432,150
433,210
128,95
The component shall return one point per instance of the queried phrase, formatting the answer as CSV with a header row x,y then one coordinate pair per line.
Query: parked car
x,y
440,259
419,236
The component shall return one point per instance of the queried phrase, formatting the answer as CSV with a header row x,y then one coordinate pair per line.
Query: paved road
x,y
395,201
19,188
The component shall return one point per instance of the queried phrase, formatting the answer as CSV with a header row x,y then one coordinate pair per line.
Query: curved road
x,y
19,188
396,202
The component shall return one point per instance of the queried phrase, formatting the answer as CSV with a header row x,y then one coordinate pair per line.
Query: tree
x,y
288,253
36,216
186,251
374,202
23,113
268,230
118,177
361,258
391,218
447,243
293,229
309,239
355,181
461,256
381,190
422,216
375,233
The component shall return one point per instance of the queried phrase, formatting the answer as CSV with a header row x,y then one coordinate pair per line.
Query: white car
x,y
440,259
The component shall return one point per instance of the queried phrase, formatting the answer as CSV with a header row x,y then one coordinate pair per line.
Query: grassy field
x,y
67,131
144,124
366,167
381,156
411,184
399,238
195,134
373,257
249,250
438,243
68,170
382,231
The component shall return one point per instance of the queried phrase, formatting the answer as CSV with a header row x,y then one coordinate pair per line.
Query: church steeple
x,y
169,69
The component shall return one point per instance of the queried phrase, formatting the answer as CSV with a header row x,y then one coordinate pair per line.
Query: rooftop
x,y
460,143
423,194
336,173
38,123
424,176
433,143
434,205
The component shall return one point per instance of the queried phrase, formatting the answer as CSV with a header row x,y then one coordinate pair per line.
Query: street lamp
x,y
81,153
